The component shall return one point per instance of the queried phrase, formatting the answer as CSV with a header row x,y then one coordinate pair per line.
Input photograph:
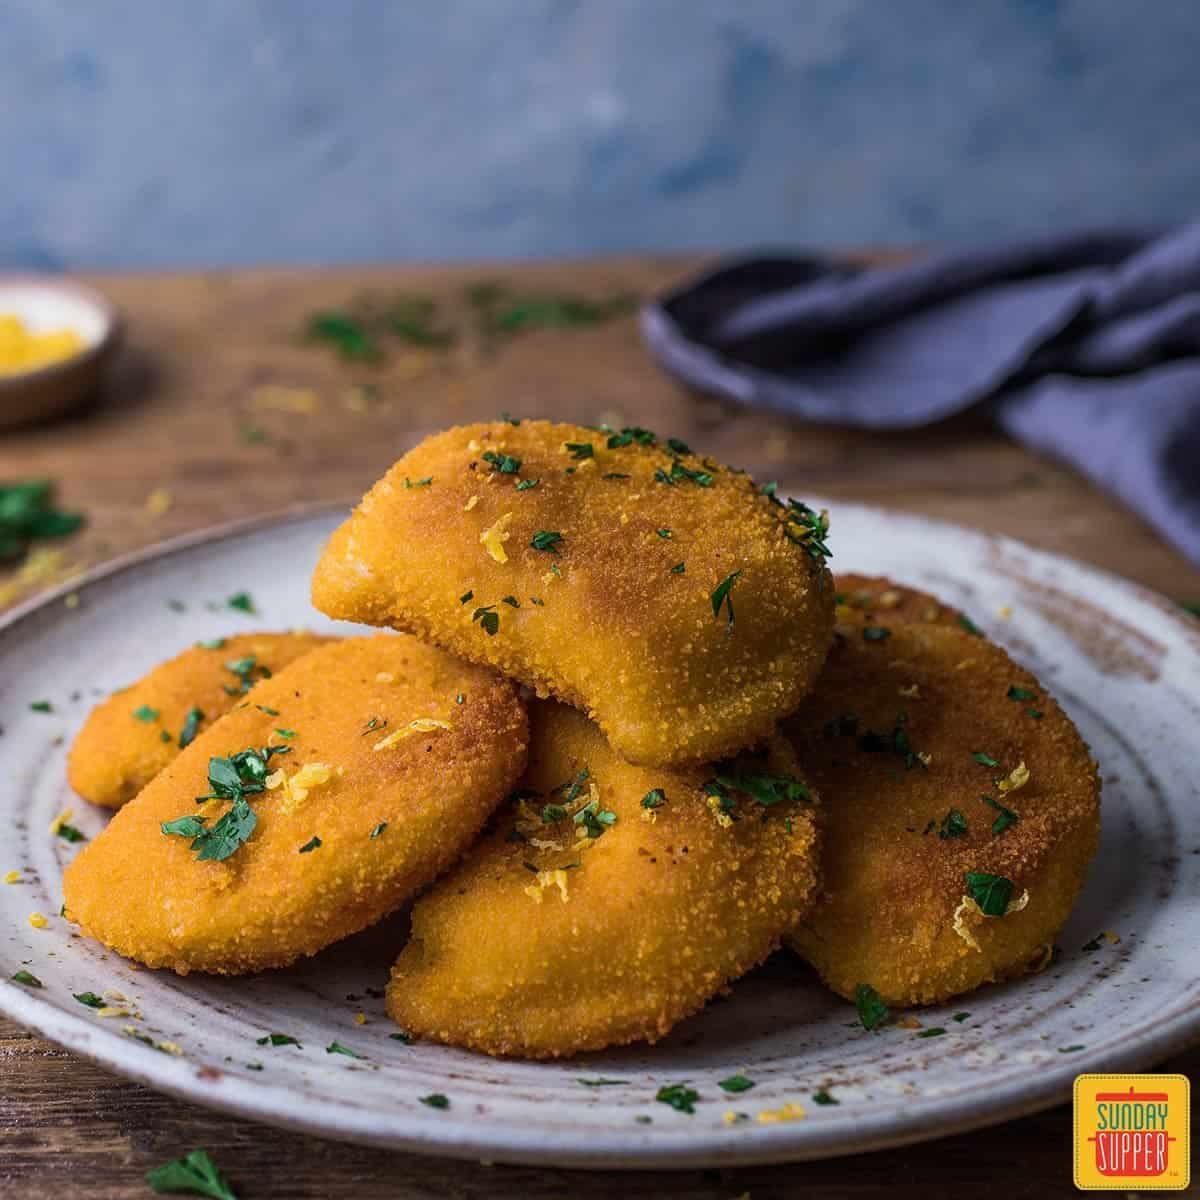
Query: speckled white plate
x,y
1125,663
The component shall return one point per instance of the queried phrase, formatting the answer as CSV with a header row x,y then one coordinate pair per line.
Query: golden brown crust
x,y
116,754
657,917
877,600
893,867
603,622
147,896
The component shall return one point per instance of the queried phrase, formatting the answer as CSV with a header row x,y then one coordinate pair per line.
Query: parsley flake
x,y
145,713
338,1048
27,979
984,760
872,1011
1004,820
953,825
678,569
722,595
1020,693
824,1098
504,463
735,1084
600,1082
678,1096
191,726
277,1039
488,618
466,597
436,1100
546,539
511,601
876,633
195,1172
579,450
211,644
665,534
933,1031
42,706
243,602
655,798
378,829
991,892
69,833
313,843
90,999
525,484
969,625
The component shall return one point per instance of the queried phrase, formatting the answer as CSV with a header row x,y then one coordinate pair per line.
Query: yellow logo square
x,y
1132,1133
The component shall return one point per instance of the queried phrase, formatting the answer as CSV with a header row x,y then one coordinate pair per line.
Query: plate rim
x,y
428,1134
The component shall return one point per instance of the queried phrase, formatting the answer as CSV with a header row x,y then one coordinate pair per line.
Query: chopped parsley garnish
x,y
1004,820
735,1084
1070,1049
643,437
277,1039
338,1048
722,596
969,625
511,601
960,1017
378,829
346,334
679,471
190,827
488,619
600,1082
145,713
286,733
313,843
69,833
678,569
665,534
525,484
191,726
614,475
373,724
267,711
761,787
504,463
678,447
872,1011
551,813
90,999
991,892
679,1096
876,633
953,825
417,483
824,1098
594,819
401,1037
211,644
27,979
164,736
466,597
579,450
933,1031
42,706
806,528
655,798
984,760
246,669
546,539
195,1172
1035,713
1020,693
243,602
27,514
436,1100
573,787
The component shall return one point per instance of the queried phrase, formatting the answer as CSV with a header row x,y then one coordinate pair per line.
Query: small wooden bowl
x,y
44,302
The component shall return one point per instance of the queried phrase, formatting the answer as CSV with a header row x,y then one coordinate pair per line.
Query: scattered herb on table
x,y
436,1100
242,602
277,1039
933,1031
69,833
27,979
338,1048
969,625
601,1082
824,1098
90,999
195,1172
42,706
27,514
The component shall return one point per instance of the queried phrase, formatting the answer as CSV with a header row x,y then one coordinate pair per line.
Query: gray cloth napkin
x,y
1086,346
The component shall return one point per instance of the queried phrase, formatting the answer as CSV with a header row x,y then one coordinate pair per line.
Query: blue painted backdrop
x,y
157,132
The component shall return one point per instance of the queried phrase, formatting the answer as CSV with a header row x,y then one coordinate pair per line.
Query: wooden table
x,y
218,410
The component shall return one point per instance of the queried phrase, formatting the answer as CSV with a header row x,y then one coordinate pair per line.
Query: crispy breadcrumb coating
x,y
877,600
591,574
351,821
900,736
121,745
609,902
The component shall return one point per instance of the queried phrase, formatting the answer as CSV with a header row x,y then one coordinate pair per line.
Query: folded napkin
x,y
1085,346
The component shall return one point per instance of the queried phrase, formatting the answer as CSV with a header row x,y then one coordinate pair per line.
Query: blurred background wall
x,y
145,133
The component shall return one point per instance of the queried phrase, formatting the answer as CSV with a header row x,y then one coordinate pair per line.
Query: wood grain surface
x,y
216,408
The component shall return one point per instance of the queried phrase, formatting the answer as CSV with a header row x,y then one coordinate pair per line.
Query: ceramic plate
x,y
1125,664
